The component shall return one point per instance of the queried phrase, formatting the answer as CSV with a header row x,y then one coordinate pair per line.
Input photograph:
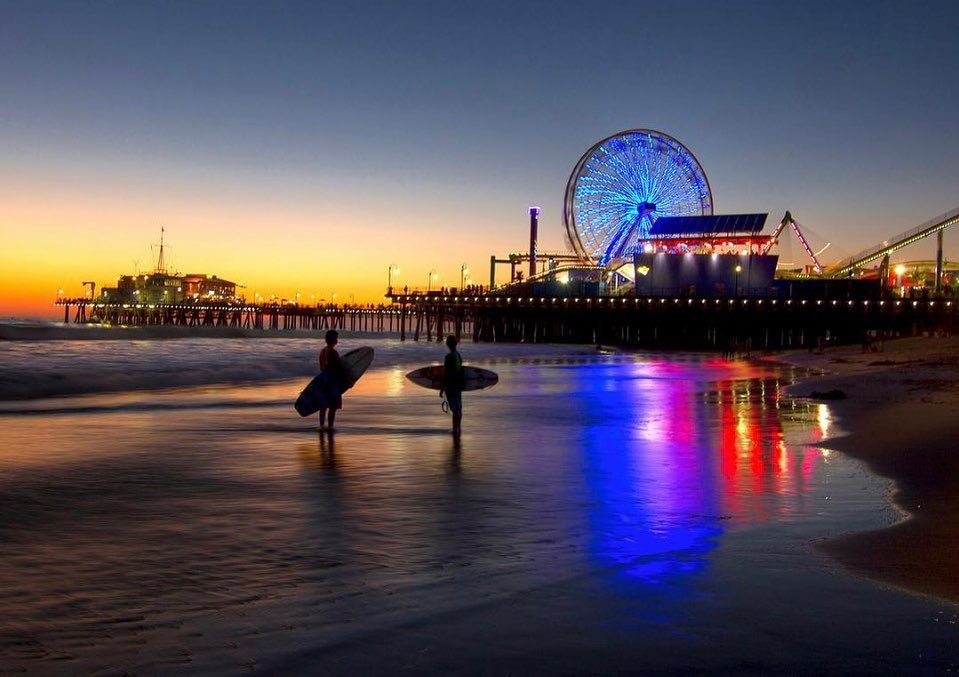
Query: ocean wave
x,y
31,369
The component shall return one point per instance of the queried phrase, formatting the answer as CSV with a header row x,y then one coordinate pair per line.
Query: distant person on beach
x,y
733,348
453,383
337,378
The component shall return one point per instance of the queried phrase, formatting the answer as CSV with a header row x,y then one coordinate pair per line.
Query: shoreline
x,y
901,418
95,332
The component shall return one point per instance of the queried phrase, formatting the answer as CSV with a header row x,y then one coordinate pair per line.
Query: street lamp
x,y
389,278
738,270
433,275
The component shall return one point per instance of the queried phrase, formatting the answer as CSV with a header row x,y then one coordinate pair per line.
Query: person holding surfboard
x,y
453,381
337,380
339,374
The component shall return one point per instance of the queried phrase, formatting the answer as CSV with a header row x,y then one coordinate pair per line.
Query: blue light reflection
x,y
654,512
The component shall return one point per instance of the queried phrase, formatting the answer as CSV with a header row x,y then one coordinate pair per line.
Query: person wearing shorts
x,y
453,383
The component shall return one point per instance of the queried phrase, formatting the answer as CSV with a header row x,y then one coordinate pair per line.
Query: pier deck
x,y
653,322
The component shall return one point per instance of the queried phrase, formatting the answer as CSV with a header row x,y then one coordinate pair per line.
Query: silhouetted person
x,y
337,378
453,383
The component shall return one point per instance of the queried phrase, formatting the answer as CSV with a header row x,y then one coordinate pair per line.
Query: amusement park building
x,y
161,287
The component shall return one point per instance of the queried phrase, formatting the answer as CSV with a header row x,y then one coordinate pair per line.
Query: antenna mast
x,y
161,265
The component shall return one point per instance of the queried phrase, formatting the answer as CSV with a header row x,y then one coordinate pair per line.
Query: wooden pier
x,y
651,322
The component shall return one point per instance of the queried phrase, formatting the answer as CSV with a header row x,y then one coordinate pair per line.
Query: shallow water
x,y
599,514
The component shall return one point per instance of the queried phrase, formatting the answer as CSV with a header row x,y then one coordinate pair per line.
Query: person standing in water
x,y
336,381
453,383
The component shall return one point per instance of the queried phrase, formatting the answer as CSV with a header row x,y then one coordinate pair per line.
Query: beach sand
x,y
901,414
600,514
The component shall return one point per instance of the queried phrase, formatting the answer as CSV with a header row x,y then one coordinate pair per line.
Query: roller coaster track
x,y
849,265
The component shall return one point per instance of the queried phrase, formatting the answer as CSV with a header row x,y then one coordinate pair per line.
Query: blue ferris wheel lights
x,y
623,184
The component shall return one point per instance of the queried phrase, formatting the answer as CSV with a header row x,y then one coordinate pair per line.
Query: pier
x,y
668,321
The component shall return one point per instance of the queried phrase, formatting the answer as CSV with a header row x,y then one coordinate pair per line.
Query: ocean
x,y
163,509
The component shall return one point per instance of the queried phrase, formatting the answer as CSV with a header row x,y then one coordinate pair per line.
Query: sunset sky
x,y
306,146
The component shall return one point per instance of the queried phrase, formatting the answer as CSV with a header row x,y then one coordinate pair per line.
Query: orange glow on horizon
x,y
59,246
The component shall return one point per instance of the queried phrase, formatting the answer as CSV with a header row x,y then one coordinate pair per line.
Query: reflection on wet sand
x,y
589,509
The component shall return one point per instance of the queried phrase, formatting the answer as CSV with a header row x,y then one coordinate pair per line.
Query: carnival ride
x,y
642,192
623,184
935,226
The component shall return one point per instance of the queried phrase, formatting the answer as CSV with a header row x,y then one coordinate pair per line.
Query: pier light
x,y
900,271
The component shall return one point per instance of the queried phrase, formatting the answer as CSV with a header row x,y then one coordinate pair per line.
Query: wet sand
x,y
902,416
621,514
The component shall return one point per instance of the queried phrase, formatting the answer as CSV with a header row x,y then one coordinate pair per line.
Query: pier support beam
x,y
939,262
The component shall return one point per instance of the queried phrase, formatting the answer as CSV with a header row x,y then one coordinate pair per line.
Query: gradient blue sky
x,y
423,130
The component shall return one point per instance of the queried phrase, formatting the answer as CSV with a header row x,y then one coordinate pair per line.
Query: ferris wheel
x,y
623,184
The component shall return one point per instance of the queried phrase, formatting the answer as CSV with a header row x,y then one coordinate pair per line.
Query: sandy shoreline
x,y
902,418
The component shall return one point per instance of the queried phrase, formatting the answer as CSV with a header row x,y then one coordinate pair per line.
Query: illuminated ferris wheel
x,y
623,184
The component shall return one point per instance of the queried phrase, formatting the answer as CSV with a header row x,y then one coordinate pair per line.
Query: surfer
x,y
337,378
453,378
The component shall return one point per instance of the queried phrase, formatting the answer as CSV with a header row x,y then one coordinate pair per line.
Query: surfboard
x,y
474,378
321,390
